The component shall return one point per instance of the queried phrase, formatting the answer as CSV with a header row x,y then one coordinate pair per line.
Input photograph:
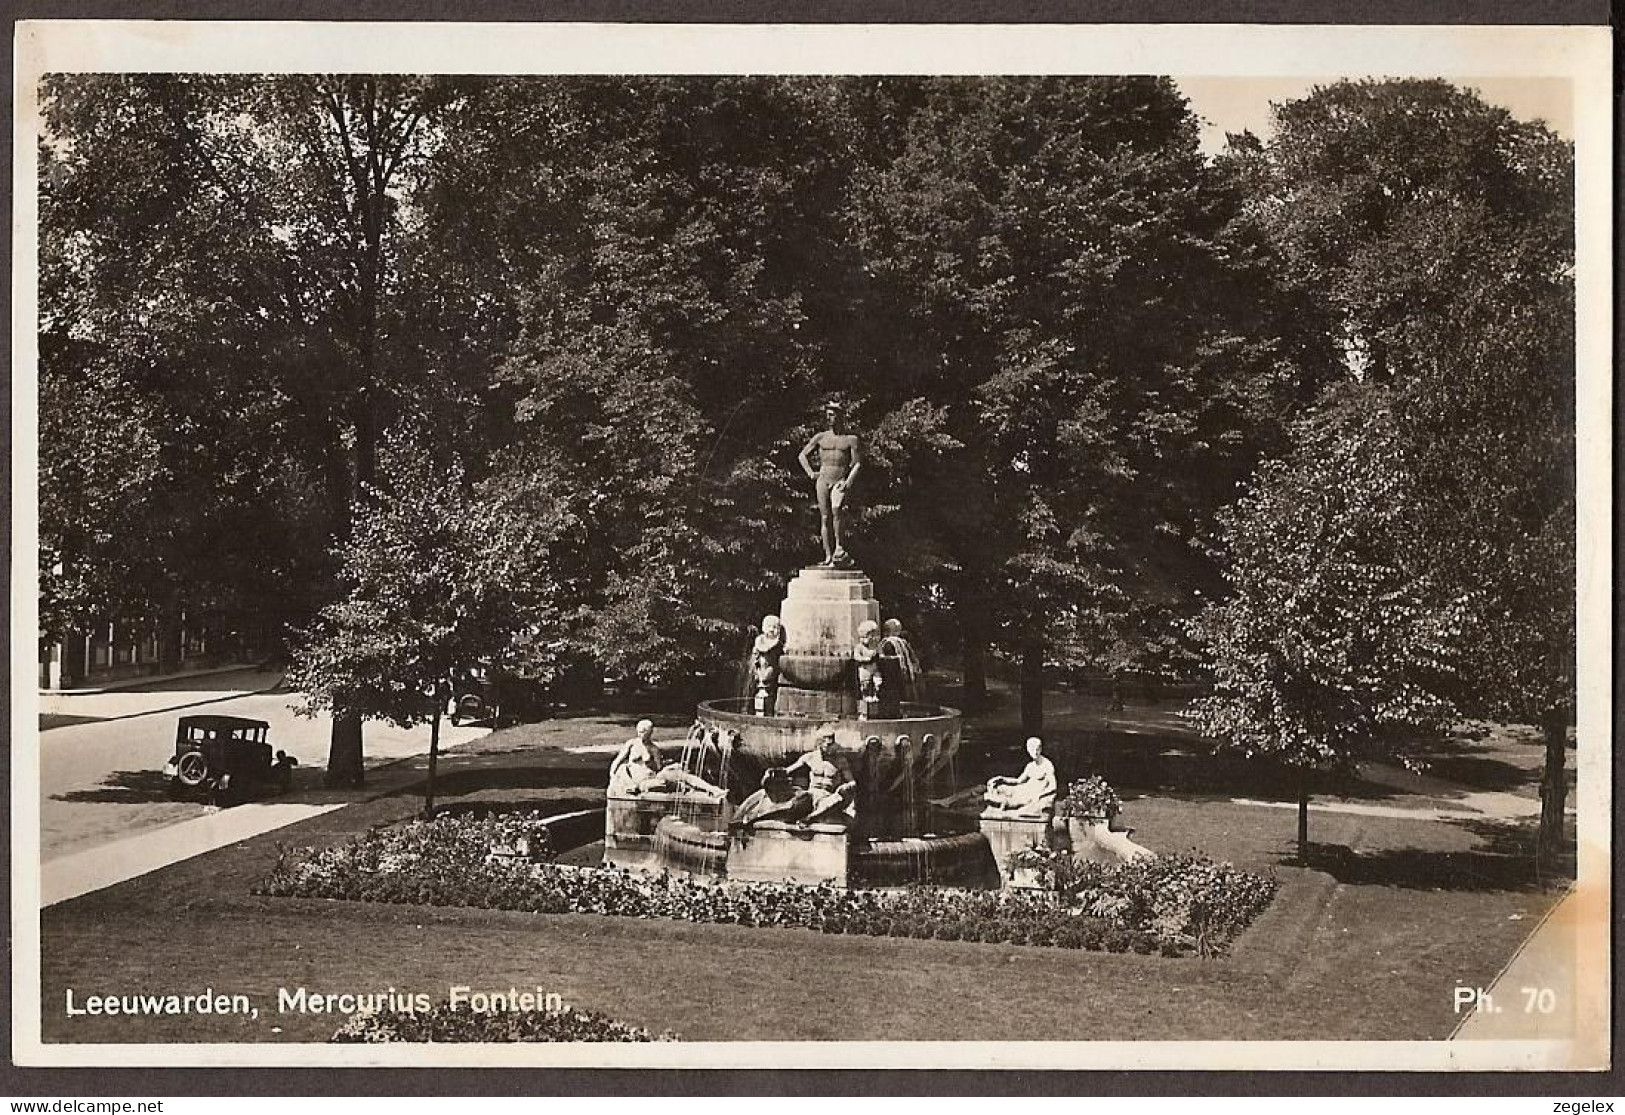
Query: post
x,y
1303,817
1553,791
434,758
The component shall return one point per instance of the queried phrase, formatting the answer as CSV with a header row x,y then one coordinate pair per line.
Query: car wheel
x,y
191,769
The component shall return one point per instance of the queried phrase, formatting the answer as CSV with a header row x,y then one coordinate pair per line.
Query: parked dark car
x,y
477,706
226,757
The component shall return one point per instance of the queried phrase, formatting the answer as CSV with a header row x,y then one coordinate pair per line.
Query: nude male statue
x,y
838,459
829,780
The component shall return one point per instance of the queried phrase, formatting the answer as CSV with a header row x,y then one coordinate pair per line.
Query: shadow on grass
x,y
1181,767
49,720
629,714
124,787
1483,869
510,779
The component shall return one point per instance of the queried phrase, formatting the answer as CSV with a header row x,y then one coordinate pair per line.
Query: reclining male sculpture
x,y
827,799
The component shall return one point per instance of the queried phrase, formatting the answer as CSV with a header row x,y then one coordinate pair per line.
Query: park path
x,y
1472,805
106,814
91,869
143,696
81,872
1546,990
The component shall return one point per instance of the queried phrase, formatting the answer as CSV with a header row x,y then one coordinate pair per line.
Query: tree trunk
x,y
434,761
75,662
344,756
169,641
1553,791
1303,818
1032,687
345,769
973,658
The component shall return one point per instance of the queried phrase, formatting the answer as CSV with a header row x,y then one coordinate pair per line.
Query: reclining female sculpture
x,y
1030,794
638,768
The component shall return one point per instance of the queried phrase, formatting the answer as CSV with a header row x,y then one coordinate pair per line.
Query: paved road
x,y
101,771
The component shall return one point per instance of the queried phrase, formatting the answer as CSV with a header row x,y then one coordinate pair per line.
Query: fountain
x,y
826,691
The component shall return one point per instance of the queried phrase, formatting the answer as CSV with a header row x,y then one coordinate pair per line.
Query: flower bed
x,y
445,1023
1089,797
1181,895
1191,905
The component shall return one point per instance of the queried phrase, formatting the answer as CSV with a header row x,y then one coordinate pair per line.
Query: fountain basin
x,y
932,732
814,855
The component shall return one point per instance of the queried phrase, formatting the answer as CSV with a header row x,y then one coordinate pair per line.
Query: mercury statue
x,y
837,458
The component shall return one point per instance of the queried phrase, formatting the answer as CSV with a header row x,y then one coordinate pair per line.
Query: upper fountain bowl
x,y
929,732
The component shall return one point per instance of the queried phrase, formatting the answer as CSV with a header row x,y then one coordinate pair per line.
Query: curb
x,y
150,679
232,696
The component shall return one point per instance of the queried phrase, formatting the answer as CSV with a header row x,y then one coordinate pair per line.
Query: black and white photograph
x,y
996,547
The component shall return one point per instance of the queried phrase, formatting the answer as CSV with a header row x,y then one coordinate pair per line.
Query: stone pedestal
x,y
1093,841
630,823
821,613
1009,835
777,852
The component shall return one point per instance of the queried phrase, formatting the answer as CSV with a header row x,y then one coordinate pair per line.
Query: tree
x,y
1441,231
224,253
636,275
1074,290
173,475
439,581
352,145
1329,646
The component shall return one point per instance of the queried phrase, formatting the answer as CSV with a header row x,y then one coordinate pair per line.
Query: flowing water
x,y
913,678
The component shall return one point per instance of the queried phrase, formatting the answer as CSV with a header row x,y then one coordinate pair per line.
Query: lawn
x,y
1366,943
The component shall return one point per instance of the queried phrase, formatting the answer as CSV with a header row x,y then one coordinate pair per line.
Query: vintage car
x,y
226,757
474,703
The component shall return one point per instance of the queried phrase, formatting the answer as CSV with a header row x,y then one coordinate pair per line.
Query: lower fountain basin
x,y
960,860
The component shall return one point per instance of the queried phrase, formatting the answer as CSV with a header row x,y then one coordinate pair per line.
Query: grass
x,y
1365,943
1330,959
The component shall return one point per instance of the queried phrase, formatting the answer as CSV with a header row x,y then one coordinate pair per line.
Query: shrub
x,y
1167,904
1185,897
1089,797
1054,868
445,1023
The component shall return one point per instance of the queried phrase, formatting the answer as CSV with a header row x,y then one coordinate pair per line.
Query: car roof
x,y
221,722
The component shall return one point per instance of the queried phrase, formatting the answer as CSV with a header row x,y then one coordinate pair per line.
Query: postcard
x,y
976,546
